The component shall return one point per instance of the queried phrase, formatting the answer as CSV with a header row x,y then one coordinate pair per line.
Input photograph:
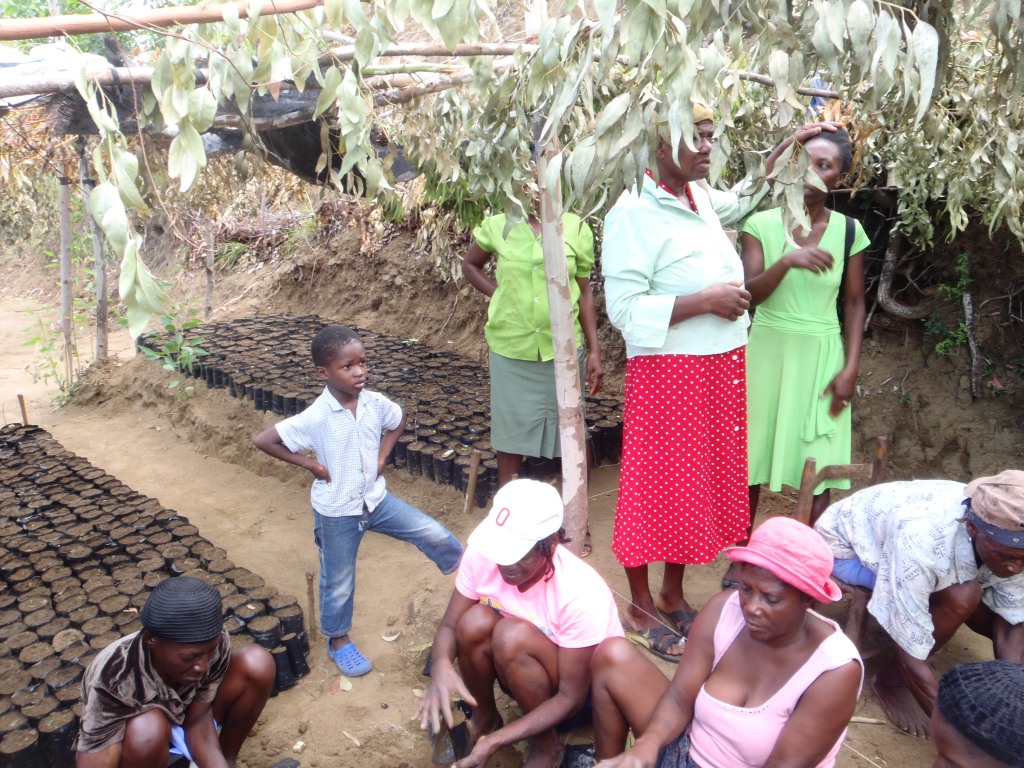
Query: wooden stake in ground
x,y
66,328
563,335
209,236
24,411
474,468
311,602
97,252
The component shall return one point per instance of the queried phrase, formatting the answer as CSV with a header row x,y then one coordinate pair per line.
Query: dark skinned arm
x,y
808,131
107,758
269,441
675,709
201,736
920,679
762,282
444,680
573,684
1008,640
844,385
473,268
726,300
822,713
588,321
387,442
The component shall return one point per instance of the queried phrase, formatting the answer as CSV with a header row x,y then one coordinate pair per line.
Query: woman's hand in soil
x,y
595,372
727,300
811,258
478,758
842,389
319,471
437,701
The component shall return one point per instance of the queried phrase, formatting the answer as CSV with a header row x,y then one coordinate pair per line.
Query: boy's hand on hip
x,y
319,471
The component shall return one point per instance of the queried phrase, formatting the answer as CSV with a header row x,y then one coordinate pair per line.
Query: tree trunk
x,y
567,373
66,327
98,261
885,297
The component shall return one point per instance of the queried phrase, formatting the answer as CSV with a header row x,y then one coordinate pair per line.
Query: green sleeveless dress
x,y
795,350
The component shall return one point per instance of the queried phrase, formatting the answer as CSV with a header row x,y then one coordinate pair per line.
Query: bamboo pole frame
x,y
90,23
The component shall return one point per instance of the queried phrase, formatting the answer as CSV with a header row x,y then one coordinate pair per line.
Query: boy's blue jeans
x,y
338,540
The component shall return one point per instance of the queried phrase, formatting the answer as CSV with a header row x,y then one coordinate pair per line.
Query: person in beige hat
x,y
936,555
674,289
525,613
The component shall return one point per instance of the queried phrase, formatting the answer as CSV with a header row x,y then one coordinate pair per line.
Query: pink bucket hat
x,y
795,553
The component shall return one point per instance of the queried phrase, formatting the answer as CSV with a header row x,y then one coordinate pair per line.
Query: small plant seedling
x,y
177,349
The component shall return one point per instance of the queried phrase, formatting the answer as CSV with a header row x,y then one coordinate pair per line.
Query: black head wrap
x,y
183,610
984,702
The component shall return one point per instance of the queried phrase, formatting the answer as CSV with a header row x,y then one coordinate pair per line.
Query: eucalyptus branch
x,y
902,10
754,77
394,96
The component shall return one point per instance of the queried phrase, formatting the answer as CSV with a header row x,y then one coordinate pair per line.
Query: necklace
x,y
686,191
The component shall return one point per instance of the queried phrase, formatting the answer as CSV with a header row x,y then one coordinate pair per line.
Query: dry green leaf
x,y
638,639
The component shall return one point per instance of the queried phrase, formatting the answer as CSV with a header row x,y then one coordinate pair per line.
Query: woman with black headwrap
x,y
162,692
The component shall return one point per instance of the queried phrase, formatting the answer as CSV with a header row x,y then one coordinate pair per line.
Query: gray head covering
x,y
984,702
183,610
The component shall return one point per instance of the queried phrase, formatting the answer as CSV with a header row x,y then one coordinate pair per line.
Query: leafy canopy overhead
x,y
935,88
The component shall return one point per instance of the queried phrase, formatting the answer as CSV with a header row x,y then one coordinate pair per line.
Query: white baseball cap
x,y
523,513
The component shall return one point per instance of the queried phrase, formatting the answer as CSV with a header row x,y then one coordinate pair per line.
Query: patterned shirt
x,y
913,536
348,445
121,683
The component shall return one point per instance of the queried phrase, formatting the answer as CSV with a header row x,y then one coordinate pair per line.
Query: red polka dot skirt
x,y
683,485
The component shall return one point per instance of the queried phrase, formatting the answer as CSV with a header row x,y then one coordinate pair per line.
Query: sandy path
x,y
263,521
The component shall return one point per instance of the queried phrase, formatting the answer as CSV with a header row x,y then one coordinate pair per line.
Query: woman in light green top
x,y
524,411
800,379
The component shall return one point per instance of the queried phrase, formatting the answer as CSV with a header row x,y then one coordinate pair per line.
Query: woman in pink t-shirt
x,y
763,681
527,613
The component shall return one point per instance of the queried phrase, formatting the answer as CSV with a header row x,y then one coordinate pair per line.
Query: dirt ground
x,y
195,455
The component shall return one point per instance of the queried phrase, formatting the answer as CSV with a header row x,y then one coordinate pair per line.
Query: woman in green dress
x,y
800,380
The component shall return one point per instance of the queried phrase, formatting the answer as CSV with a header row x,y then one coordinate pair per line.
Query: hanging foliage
x,y
936,90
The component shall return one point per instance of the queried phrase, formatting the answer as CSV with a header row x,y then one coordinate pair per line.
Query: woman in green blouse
x,y
524,411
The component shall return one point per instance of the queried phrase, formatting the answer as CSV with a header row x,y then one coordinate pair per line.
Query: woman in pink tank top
x,y
763,681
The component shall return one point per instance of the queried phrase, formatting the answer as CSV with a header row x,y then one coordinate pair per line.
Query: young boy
x,y
343,427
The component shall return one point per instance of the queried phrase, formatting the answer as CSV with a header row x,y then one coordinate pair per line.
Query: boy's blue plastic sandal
x,y
350,661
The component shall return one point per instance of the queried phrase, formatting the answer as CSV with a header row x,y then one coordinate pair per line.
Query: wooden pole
x,y
66,327
208,303
474,468
90,23
563,334
99,266
24,410
311,602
